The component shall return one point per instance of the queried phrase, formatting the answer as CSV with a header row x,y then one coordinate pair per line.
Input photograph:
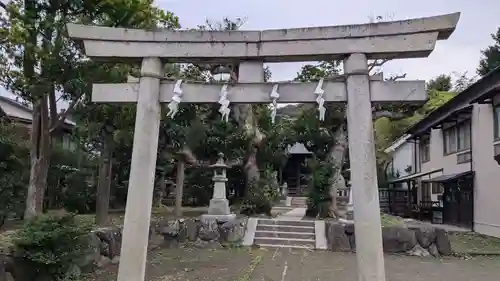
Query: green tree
x,y
490,58
42,64
440,83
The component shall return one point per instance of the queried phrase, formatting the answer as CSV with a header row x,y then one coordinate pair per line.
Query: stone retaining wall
x,y
105,243
416,241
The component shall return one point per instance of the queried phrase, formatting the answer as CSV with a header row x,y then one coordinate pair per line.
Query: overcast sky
x,y
460,53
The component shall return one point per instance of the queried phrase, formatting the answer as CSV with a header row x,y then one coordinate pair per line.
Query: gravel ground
x,y
244,264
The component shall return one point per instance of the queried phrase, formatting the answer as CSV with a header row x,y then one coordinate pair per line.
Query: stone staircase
x,y
285,233
299,202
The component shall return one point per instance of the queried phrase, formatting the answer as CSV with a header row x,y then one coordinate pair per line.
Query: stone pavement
x,y
295,214
280,264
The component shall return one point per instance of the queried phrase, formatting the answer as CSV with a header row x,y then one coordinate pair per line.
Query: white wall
x,y
487,172
402,157
486,169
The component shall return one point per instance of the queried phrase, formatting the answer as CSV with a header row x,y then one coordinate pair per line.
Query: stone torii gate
x,y
354,44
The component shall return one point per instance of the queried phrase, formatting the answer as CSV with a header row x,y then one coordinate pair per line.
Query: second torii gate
x,y
354,44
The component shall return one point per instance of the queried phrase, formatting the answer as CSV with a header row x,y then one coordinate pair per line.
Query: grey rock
x,y
112,237
418,251
337,238
398,239
352,242
182,235
349,229
172,229
232,231
103,262
170,241
443,242
155,241
115,260
425,236
209,231
192,227
433,250
104,249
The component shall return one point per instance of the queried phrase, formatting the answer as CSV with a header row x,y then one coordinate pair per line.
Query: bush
x,y
319,188
259,197
78,195
14,173
50,245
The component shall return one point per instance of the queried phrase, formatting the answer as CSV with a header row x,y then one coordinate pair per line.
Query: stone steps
x,y
285,233
305,223
285,228
281,242
299,202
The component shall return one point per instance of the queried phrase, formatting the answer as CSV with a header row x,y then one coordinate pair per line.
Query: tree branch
x,y
377,63
396,77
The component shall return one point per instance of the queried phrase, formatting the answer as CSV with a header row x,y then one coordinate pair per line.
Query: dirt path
x,y
245,264
293,265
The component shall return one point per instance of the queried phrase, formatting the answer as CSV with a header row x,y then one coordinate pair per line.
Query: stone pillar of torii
x,y
354,44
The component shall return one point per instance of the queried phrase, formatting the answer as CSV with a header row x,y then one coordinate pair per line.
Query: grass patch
x,y
251,268
388,220
474,243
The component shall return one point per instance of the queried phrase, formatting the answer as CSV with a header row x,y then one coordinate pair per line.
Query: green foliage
x,y
260,196
490,56
318,187
51,245
440,83
279,136
13,172
323,69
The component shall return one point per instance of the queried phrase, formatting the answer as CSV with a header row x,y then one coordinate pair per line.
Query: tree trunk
x,y
104,185
179,186
39,159
159,191
337,154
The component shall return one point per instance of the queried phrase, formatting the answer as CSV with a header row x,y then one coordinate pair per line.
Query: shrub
x,y
14,172
50,245
319,188
260,196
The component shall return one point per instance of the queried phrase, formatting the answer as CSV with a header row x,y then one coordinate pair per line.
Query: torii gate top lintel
x,y
384,40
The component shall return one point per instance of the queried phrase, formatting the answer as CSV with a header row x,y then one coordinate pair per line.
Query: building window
x,y
426,191
450,140
437,188
496,121
463,136
424,148
457,138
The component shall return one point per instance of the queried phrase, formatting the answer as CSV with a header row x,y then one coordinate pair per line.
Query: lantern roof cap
x,y
220,163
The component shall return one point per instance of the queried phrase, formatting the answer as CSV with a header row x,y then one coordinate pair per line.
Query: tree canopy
x,y
490,58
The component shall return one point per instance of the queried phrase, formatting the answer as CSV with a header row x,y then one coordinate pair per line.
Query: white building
x,y
456,157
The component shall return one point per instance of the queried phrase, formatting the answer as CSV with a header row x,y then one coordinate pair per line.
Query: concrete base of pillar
x,y
219,207
219,218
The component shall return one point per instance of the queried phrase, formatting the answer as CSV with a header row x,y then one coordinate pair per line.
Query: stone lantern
x,y
219,205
